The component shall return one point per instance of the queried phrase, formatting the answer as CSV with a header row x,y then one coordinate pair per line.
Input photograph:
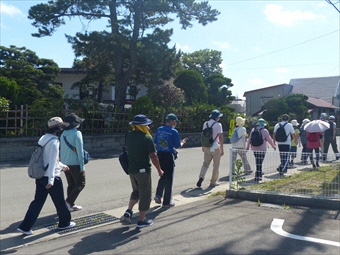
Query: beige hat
x,y
56,121
294,123
240,121
305,121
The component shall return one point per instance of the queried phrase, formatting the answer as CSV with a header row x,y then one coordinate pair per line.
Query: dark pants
x,y
304,154
76,183
329,141
57,194
317,153
284,154
259,157
167,162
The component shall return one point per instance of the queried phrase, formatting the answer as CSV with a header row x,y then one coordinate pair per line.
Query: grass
x,y
324,181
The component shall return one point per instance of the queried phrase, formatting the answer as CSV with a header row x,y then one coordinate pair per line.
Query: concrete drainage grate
x,y
85,222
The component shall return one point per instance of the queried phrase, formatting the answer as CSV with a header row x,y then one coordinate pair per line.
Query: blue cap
x,y
215,114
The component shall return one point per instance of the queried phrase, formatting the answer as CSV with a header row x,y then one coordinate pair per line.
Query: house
x,y
323,95
256,98
69,76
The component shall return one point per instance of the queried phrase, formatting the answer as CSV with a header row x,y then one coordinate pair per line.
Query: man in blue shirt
x,y
167,142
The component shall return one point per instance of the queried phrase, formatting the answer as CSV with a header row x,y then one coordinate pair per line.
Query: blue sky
x,y
263,43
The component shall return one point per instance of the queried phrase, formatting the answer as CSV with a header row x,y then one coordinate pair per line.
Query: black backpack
x,y
281,135
207,135
256,137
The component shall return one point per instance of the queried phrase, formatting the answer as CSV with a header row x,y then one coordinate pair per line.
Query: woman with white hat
x,y
293,145
240,145
303,141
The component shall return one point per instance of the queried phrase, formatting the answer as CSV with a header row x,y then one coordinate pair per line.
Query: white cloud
x,y
281,70
222,45
10,10
276,14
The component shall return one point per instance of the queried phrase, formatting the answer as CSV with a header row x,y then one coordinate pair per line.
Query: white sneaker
x,y
71,225
69,207
28,233
77,207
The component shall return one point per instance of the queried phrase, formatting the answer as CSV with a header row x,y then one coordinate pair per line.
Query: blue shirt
x,y
167,139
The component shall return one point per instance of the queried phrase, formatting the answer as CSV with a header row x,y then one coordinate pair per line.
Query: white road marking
x,y
276,227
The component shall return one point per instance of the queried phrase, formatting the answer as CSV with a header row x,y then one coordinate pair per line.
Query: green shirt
x,y
139,146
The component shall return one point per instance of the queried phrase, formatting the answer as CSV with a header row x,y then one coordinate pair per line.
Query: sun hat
x,y
305,121
73,119
240,121
294,123
261,122
331,117
171,117
285,117
56,121
215,114
323,116
141,120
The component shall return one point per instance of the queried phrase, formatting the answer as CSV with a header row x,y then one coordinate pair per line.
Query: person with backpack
x,y
281,135
293,144
314,143
330,139
303,141
167,142
258,138
72,154
238,146
51,183
214,150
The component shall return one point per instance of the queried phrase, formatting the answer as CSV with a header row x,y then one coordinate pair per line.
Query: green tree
x,y
191,82
206,62
9,89
32,74
129,21
293,104
218,89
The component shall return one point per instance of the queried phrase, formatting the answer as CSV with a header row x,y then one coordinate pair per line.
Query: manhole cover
x,y
85,222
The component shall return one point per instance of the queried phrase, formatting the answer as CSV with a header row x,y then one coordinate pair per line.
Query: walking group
x,y
314,136
63,152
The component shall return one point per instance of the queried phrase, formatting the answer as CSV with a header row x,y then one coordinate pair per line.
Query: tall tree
x,y
206,62
129,21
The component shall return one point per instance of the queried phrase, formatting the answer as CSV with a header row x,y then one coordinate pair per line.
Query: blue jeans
x,y
57,194
165,183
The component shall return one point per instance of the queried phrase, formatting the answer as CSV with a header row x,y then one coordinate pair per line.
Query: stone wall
x,y
100,146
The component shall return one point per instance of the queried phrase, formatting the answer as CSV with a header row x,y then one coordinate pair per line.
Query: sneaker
x,y
144,223
169,205
71,225
214,184
199,183
317,165
28,233
128,216
77,207
69,207
248,172
158,199
257,179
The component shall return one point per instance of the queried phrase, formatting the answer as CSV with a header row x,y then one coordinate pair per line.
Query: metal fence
x,y
301,178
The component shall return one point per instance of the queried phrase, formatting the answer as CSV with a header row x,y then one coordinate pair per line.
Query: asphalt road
x,y
206,226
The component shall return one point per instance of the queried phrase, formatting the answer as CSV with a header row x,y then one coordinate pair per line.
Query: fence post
x,y
21,119
230,168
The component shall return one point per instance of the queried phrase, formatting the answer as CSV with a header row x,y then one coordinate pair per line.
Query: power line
x,y
284,48
330,2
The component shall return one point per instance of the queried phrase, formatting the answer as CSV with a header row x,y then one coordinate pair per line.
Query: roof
x,y
320,103
324,88
266,88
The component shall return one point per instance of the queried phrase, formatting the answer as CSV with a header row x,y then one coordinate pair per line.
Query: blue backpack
x,y
234,137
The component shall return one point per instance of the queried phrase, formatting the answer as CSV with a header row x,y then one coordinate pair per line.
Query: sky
x,y
263,43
